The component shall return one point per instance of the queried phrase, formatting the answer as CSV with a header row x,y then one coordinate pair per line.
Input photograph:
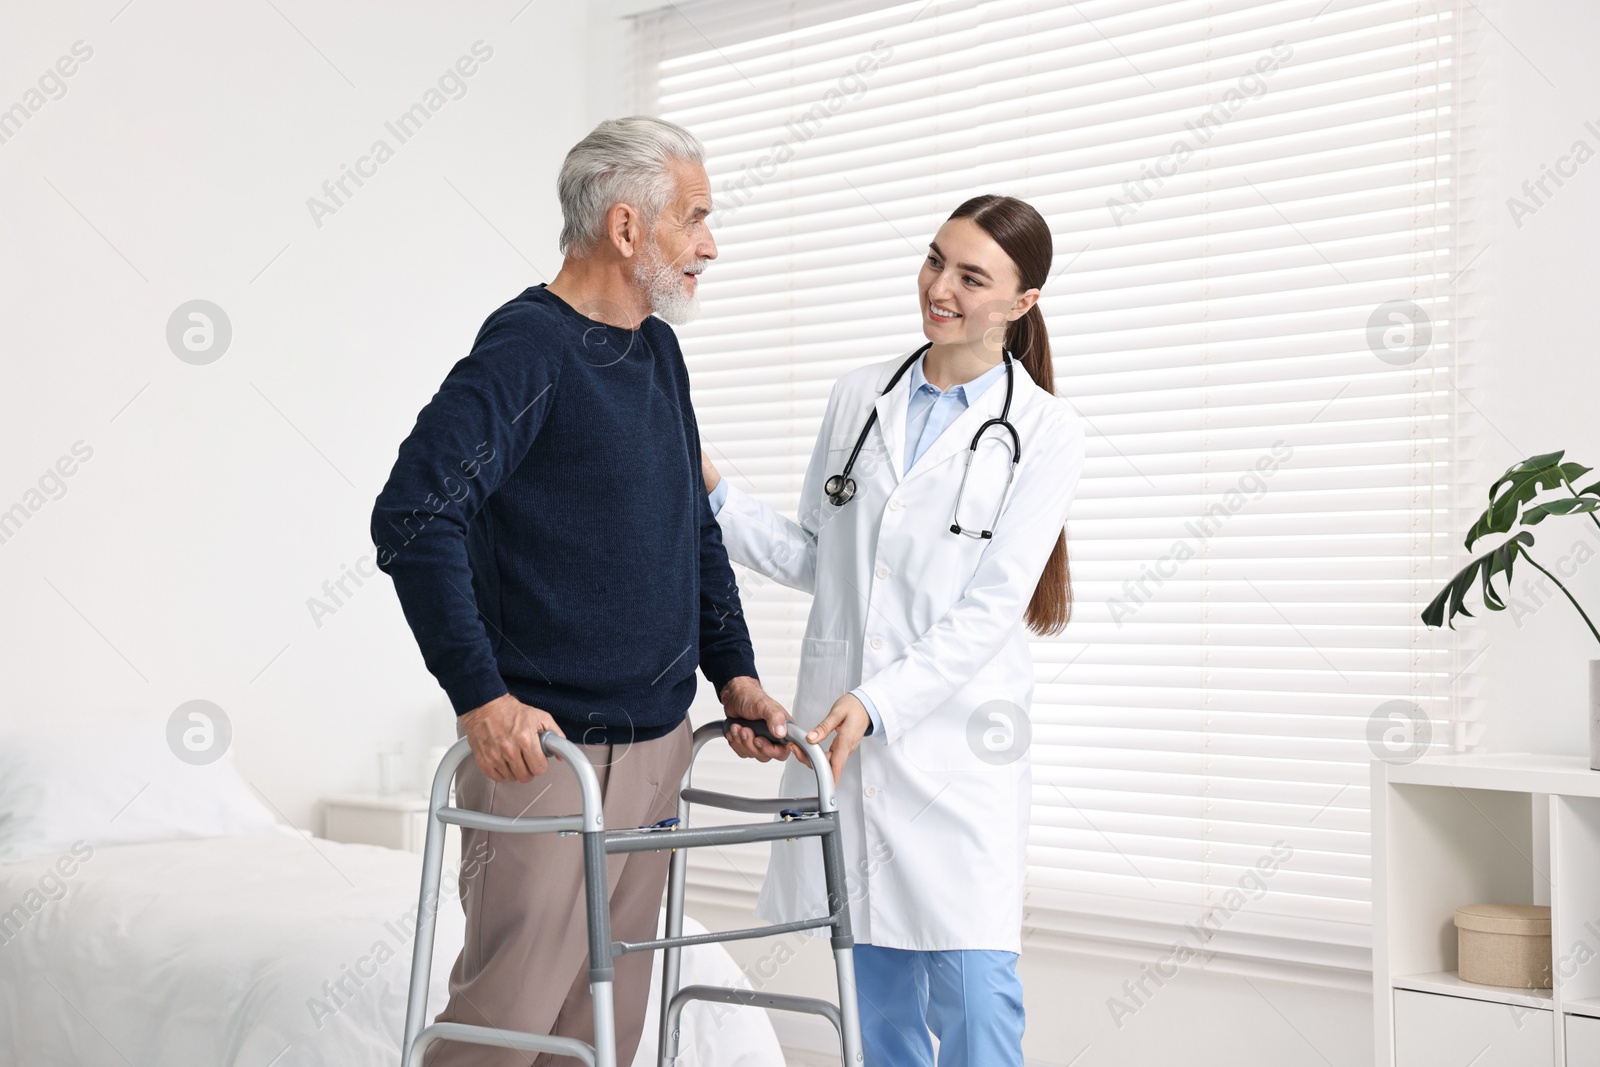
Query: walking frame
x,y
816,816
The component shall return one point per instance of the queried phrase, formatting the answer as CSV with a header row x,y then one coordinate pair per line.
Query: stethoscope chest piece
x,y
840,490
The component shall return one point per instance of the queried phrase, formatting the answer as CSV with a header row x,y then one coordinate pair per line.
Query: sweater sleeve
x,y
467,440
725,649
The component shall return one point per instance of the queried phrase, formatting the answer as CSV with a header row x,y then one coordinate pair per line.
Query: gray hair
x,y
621,161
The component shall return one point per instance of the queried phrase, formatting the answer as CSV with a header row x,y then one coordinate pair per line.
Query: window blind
x,y
1252,204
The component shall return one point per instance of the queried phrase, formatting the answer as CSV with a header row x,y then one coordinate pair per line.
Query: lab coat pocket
x,y
824,678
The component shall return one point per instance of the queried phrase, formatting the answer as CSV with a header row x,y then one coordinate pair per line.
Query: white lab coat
x,y
930,625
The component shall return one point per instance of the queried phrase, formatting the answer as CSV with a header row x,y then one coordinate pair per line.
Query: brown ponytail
x,y
1022,234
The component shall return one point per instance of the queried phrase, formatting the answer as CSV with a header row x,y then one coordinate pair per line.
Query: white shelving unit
x,y
1510,828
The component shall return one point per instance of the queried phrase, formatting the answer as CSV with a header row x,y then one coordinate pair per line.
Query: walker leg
x,y
672,1022
597,902
843,944
667,1044
422,946
605,1024
844,963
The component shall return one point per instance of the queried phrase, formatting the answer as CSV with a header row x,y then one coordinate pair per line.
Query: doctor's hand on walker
x,y
848,719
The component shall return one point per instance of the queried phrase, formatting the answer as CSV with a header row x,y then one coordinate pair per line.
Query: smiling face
x,y
967,286
679,246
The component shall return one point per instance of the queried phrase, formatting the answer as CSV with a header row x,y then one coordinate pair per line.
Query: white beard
x,y
663,284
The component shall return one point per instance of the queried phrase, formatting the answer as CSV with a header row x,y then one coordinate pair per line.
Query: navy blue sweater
x,y
547,528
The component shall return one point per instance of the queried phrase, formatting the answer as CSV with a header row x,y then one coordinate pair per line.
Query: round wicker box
x,y
1504,944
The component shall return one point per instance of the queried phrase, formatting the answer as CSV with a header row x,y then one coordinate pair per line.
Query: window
x,y
1251,309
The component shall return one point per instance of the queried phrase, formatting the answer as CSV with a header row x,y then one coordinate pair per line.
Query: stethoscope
x,y
841,488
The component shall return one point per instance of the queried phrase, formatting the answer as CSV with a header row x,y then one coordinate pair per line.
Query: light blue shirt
x,y
929,413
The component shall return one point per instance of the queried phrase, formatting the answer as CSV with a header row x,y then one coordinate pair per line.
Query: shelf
x,y
1509,828
1517,772
1450,984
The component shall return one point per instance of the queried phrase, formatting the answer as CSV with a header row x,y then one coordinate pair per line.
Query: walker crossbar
x,y
817,817
619,948
706,836
778,1001
749,805
485,1035
511,824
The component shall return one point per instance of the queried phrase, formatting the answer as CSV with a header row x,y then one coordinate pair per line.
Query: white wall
x,y
178,165
1538,366
219,498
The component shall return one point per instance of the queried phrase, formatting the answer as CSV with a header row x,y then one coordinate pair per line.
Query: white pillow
x,y
112,781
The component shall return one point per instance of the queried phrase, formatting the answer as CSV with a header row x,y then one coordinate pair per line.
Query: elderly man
x,y
549,536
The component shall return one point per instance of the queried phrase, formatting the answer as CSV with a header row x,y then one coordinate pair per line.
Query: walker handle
x,y
813,752
760,728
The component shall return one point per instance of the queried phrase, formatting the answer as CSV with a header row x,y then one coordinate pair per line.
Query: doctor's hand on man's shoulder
x,y
713,477
504,735
743,698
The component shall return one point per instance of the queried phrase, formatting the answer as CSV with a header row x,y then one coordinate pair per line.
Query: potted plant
x,y
1512,503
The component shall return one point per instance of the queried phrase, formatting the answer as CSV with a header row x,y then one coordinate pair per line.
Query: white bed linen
x,y
112,780
225,953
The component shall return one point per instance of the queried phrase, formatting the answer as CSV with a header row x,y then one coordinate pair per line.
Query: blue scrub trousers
x,y
970,999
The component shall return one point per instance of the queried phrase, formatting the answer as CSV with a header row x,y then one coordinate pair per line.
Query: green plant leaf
x,y
1572,505
1518,486
1484,569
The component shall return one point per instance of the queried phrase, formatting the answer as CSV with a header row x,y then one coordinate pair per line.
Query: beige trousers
x,y
525,962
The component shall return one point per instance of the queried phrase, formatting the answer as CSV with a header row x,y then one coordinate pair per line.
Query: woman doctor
x,y
929,559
